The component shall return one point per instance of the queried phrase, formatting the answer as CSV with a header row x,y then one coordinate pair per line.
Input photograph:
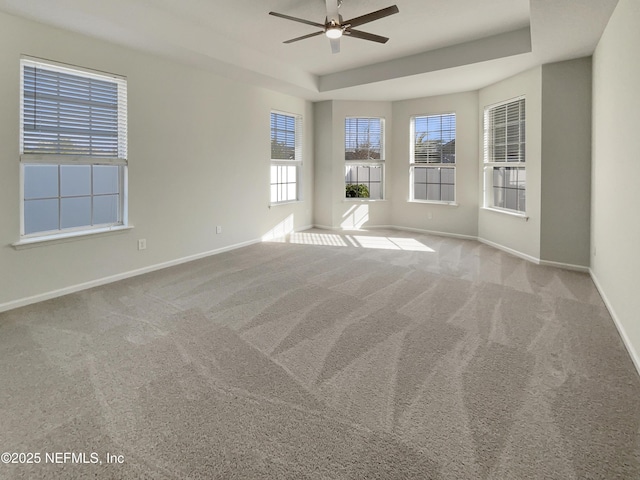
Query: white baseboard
x,y
274,237
524,256
516,253
399,228
327,227
531,258
566,266
635,357
429,232
120,276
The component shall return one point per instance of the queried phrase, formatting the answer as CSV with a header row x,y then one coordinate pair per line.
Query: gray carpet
x,y
381,355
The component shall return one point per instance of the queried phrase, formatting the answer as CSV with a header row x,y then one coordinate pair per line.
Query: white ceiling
x,y
435,46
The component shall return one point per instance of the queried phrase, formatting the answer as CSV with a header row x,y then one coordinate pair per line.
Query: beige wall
x,y
566,162
323,165
615,228
199,153
461,219
512,232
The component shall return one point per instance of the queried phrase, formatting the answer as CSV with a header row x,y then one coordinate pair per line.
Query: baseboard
x,y
399,228
275,237
516,253
429,232
120,276
327,227
635,357
566,266
524,256
537,261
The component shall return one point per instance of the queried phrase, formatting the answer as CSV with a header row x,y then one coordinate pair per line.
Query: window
x,y
364,157
433,158
73,148
286,156
504,156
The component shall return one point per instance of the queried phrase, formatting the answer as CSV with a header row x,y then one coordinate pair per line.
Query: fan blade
x,y
301,20
315,34
370,17
332,11
366,36
335,45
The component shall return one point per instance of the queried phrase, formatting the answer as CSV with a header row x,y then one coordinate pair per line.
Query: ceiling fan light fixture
x,y
333,32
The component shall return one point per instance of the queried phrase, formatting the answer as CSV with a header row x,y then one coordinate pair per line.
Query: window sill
x,y
433,202
363,200
289,202
66,237
510,213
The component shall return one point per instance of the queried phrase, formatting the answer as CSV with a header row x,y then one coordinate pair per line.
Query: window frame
x,y
296,162
490,165
413,164
59,160
368,162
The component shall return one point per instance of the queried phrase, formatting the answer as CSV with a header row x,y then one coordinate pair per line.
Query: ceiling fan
x,y
334,27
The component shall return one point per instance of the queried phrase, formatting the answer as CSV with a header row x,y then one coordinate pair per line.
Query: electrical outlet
x,y
218,229
142,244
429,216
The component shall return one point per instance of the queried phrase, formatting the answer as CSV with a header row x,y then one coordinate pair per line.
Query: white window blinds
x,y
434,139
504,132
286,137
72,113
364,139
